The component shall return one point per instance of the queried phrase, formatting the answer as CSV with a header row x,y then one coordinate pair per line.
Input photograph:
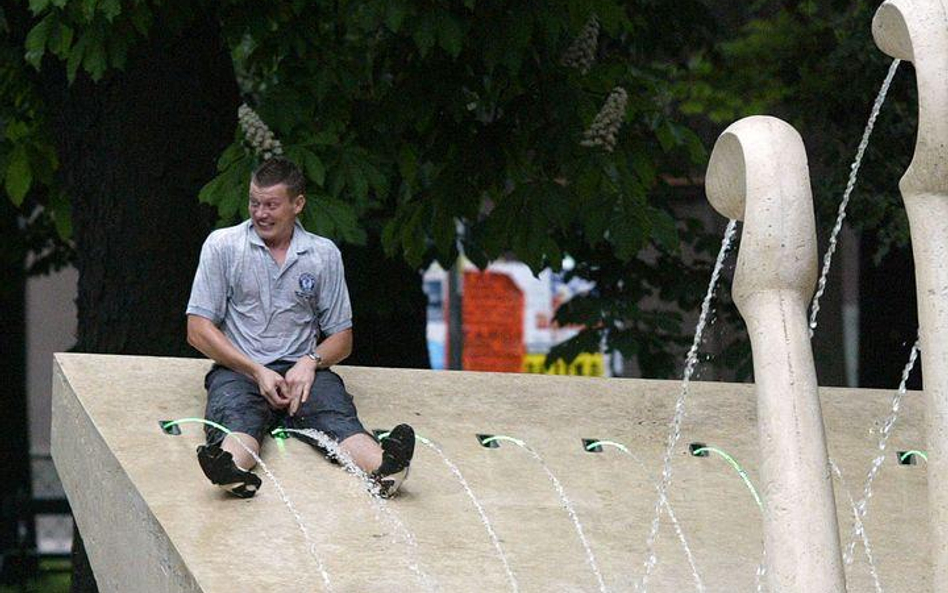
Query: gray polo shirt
x,y
271,312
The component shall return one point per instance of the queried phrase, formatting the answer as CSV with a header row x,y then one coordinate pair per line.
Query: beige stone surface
x,y
758,173
917,30
153,523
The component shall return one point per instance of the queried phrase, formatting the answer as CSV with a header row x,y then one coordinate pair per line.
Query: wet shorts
x,y
234,400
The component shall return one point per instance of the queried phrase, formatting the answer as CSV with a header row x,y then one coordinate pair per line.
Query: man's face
x,y
273,212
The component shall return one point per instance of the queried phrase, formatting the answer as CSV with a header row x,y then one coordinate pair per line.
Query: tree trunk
x,y
135,149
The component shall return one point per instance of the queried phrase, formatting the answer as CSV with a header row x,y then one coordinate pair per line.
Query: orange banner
x,y
493,323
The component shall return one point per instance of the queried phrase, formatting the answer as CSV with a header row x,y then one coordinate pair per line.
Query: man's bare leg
x,y
242,458
388,463
364,451
228,465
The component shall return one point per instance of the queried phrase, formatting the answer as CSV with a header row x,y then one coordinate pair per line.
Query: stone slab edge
x,y
105,502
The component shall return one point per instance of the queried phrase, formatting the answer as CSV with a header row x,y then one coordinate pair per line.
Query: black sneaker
x,y
397,450
220,469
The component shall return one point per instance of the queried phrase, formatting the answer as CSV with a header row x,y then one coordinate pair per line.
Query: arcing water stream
x,y
495,541
675,430
567,504
853,173
378,503
311,544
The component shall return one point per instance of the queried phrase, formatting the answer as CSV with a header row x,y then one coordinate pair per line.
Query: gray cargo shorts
x,y
234,401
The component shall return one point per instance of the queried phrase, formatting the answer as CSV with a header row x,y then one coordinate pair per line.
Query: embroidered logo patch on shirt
x,y
307,286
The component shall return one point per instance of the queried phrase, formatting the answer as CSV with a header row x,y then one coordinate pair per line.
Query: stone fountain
x,y
151,523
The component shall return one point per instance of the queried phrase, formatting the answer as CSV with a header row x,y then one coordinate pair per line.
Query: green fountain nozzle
x,y
906,457
592,445
169,427
704,450
280,435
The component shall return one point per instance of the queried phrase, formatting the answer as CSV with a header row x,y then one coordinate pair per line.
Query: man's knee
x,y
244,448
364,451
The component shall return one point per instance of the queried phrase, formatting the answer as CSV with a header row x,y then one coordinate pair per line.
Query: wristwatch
x,y
316,358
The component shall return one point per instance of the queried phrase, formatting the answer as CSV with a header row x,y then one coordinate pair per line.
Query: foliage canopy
x,y
445,126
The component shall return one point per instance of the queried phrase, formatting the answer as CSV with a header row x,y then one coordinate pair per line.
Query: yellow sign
x,y
585,365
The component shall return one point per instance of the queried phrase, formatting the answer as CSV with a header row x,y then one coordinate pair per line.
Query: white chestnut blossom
x,y
257,134
582,52
604,130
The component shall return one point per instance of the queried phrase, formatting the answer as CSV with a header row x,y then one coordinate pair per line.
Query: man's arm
x,y
300,378
335,348
211,341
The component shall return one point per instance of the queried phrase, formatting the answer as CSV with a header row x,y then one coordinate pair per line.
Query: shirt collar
x,y
295,242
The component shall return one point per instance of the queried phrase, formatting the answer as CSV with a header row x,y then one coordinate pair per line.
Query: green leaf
x,y
141,18
315,169
413,236
325,138
424,35
228,191
357,182
111,9
16,130
450,35
389,239
88,8
61,212
329,217
696,150
75,57
610,15
408,164
95,60
394,15
231,154
666,136
664,230
443,231
36,40
643,166
18,177
337,180
60,41
38,6
376,178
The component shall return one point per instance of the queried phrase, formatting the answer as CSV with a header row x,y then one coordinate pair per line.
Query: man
x,y
269,305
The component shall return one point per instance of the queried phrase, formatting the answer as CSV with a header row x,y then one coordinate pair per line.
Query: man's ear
x,y
300,202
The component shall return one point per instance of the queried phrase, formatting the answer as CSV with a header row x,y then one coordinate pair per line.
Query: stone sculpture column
x,y
917,31
758,173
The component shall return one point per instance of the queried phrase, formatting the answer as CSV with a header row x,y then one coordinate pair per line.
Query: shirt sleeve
x,y
209,290
334,311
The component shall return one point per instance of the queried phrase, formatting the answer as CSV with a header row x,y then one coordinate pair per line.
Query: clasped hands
x,y
287,392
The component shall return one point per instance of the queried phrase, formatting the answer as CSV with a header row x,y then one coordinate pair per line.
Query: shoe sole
x,y
218,465
400,445
389,485
399,448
